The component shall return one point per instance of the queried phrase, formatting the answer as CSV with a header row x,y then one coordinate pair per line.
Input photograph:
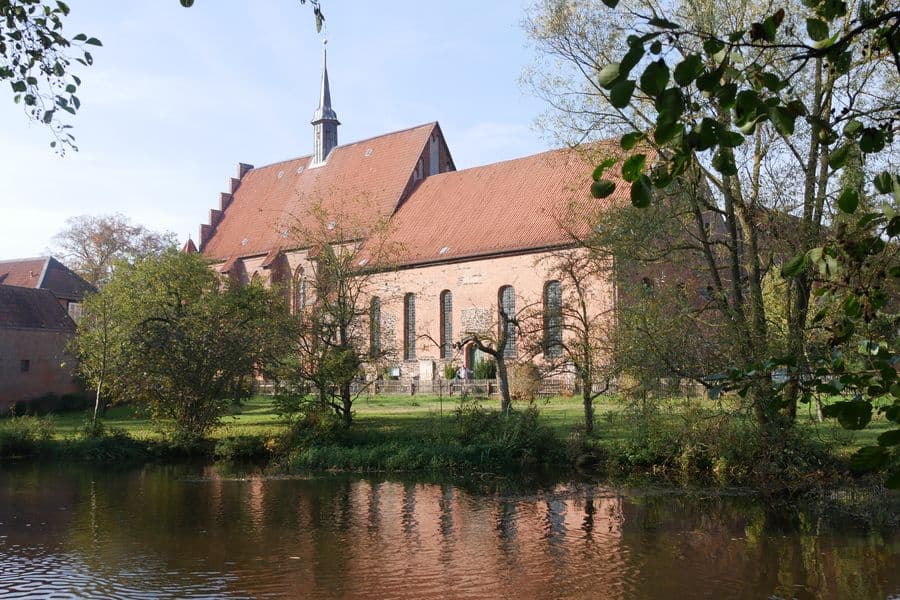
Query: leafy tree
x,y
168,333
92,245
762,106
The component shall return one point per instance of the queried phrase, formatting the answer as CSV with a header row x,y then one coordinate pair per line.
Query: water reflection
x,y
201,532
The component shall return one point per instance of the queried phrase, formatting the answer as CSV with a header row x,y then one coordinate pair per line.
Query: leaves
x,y
848,201
655,78
602,188
688,70
851,414
641,192
602,167
795,266
633,167
817,29
620,93
608,75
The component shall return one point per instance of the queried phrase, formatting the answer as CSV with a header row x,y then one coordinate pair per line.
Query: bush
x,y
22,435
449,371
485,369
524,381
243,448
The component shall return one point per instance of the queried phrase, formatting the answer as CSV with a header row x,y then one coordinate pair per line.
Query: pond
x,y
201,531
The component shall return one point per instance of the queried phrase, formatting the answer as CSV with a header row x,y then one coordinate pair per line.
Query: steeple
x,y
325,121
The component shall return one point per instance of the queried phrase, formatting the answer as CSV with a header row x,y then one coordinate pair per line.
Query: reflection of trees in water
x,y
369,537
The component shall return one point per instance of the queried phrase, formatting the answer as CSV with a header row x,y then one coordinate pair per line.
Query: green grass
x,y
405,416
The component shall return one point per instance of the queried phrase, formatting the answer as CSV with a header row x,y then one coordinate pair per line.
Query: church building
x,y
468,242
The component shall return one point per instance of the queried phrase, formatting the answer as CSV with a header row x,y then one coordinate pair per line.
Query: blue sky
x,y
177,97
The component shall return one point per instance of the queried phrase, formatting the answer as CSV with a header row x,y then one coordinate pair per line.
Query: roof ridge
x,y
510,160
18,260
368,139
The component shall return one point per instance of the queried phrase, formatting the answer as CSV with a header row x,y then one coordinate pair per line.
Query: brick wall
x,y
50,368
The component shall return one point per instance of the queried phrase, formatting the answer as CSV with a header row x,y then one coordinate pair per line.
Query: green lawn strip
x,y
407,416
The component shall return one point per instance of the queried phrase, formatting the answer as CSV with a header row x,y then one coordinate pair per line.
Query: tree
x,y
495,344
763,115
331,344
169,334
573,328
92,245
693,133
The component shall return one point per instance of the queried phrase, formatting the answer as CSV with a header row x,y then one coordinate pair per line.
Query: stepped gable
x,y
28,308
47,273
518,205
363,181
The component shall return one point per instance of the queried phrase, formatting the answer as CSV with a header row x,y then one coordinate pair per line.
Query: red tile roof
x,y
366,179
46,273
21,307
518,205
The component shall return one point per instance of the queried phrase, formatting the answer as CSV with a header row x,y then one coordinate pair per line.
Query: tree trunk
x,y
586,392
347,403
505,402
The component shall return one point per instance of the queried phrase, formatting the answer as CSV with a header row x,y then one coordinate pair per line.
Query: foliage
x,y
36,59
485,369
243,448
20,435
475,439
450,371
176,339
92,245
730,114
524,381
330,342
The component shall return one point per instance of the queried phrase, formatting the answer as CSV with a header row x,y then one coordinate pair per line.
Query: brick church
x,y
468,241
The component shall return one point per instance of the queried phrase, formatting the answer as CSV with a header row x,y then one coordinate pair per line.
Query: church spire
x,y
325,121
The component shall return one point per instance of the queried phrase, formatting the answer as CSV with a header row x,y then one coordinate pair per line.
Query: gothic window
x,y
507,303
409,327
446,324
434,156
298,297
375,327
553,319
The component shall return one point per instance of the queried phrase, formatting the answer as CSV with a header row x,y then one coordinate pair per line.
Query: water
x,y
179,532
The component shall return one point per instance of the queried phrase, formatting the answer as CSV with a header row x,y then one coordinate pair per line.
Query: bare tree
x,y
573,328
90,245
332,344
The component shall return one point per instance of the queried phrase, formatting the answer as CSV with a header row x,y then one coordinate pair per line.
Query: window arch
x,y
409,326
446,308
375,327
553,319
507,313
298,291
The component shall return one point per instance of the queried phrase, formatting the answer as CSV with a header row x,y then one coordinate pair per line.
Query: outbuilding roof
x,y
30,308
44,272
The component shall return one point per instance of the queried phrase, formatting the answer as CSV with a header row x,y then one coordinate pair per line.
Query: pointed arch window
x,y
298,292
446,307
507,303
409,326
553,319
375,327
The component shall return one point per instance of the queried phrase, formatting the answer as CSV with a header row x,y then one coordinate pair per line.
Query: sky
x,y
177,97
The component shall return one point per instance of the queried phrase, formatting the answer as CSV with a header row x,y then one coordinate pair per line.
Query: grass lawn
x,y
408,416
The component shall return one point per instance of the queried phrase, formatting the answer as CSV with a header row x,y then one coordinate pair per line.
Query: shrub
x,y
485,369
21,435
449,371
242,448
524,381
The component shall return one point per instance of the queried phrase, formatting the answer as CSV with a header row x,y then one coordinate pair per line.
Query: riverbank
x,y
676,439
